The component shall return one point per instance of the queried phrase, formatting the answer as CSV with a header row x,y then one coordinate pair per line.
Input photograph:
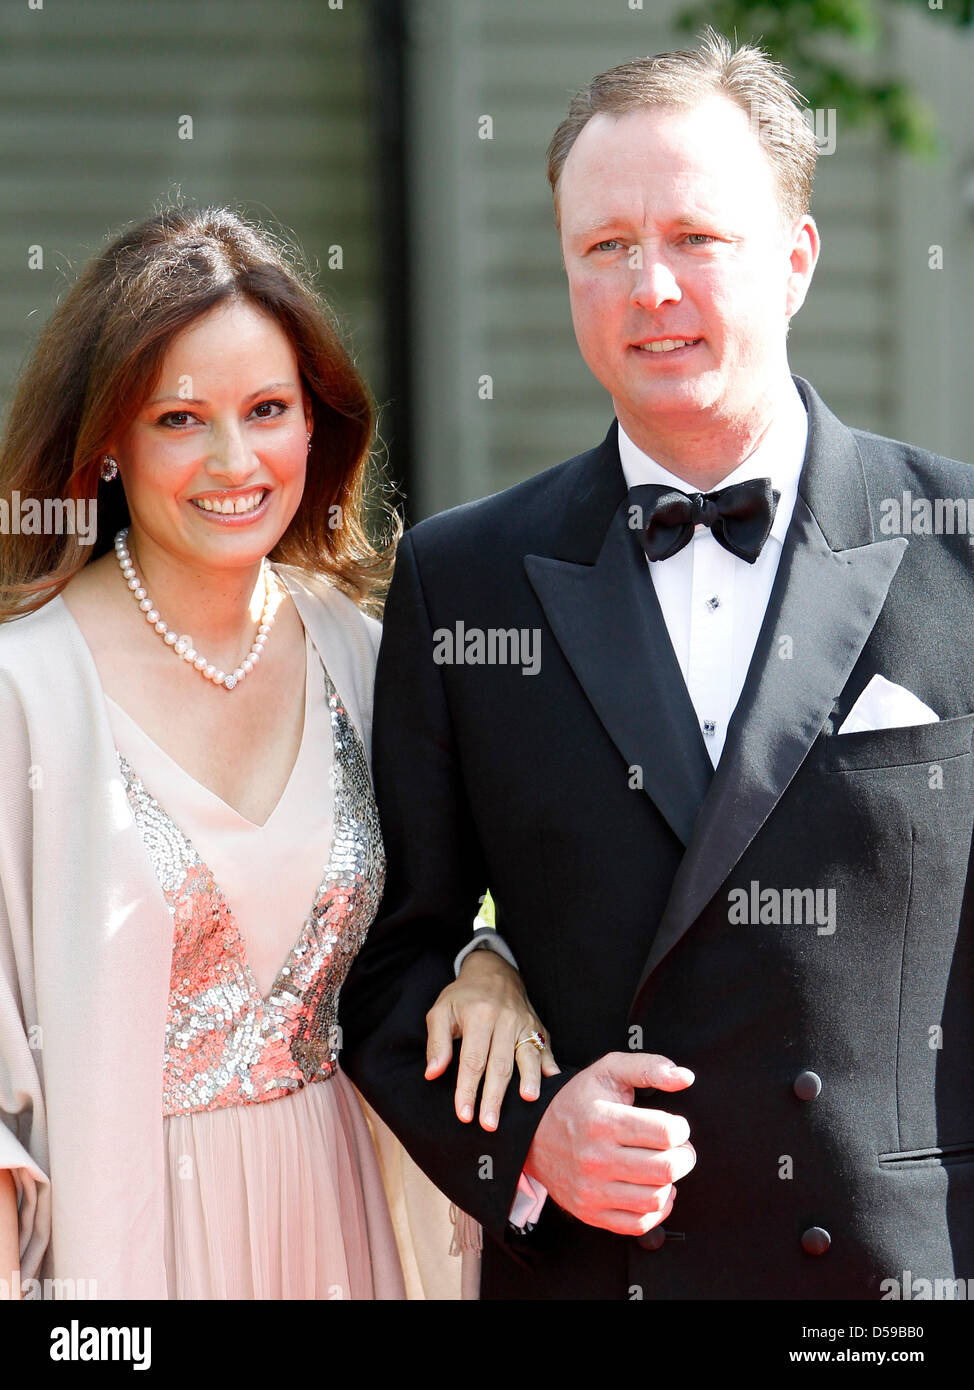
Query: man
x,y
726,815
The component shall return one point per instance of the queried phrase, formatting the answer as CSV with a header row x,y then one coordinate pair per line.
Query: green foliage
x,y
794,31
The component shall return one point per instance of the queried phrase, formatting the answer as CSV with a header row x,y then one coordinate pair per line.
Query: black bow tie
x,y
739,516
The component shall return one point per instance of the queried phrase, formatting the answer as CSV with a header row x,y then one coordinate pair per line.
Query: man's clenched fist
x,y
603,1160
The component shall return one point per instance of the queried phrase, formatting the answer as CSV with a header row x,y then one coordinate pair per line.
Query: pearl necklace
x,y
183,645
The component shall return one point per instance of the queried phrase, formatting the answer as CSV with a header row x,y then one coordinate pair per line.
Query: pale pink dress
x,y
281,1198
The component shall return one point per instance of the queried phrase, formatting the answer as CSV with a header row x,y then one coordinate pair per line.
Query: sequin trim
x,y
225,1044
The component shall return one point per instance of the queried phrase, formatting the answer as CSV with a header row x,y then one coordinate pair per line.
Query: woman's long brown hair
x,y
97,361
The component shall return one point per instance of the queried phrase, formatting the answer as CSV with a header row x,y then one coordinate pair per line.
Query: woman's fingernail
x,y
466,1112
490,1120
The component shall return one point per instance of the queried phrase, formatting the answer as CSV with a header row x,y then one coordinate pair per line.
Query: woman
x,y
191,855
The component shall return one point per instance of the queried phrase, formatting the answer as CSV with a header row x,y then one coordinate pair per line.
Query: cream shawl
x,y
85,945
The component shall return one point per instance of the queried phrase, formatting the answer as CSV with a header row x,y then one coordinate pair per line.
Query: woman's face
x,y
214,463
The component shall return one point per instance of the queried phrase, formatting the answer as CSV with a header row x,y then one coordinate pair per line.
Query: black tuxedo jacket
x,y
583,797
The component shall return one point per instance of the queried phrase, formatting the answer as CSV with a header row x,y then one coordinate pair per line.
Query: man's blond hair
x,y
745,75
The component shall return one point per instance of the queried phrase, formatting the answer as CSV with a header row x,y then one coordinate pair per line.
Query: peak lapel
x,y
603,611
831,584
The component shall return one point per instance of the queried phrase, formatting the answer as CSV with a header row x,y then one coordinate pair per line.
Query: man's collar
x,y
585,493
779,456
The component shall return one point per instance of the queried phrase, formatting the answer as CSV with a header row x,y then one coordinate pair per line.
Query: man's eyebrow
x,y
684,219
197,400
593,229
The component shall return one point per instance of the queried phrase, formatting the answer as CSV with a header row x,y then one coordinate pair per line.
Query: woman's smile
x,y
233,508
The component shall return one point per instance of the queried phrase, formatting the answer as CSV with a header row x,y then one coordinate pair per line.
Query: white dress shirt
x,y
714,603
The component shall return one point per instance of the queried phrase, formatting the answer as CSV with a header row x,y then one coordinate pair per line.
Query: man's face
x,y
671,229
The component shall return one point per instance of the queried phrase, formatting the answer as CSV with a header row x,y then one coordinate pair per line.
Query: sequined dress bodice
x,y
226,1043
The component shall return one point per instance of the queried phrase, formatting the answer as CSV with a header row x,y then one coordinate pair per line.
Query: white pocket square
x,y
885,705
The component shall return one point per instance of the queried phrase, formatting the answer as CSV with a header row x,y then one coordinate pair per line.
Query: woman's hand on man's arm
x,y
488,1009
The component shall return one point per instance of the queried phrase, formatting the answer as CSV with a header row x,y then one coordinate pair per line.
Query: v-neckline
x,y
310,654
195,859
133,780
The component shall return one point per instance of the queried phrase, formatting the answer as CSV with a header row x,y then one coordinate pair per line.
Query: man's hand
x,y
488,1008
603,1160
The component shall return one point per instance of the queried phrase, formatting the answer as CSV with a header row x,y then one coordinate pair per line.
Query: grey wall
x,y
884,339
91,95
283,94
